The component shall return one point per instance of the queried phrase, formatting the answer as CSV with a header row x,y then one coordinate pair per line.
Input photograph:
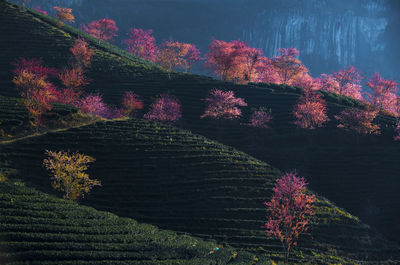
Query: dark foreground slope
x,y
36,228
184,182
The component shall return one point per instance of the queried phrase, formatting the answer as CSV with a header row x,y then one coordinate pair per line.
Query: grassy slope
x,y
114,72
36,228
184,182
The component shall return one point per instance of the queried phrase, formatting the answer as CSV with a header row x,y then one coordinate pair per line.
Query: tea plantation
x,y
36,228
183,182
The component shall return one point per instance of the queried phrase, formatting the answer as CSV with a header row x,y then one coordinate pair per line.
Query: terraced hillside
x,y
36,228
184,182
347,175
15,121
360,177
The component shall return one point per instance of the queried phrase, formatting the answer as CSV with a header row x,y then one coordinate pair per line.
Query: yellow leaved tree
x,y
68,173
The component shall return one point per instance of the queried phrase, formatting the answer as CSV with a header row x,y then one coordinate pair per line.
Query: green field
x,y
185,182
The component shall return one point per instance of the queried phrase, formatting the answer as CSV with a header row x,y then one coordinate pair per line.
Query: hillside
x,y
365,173
36,228
184,182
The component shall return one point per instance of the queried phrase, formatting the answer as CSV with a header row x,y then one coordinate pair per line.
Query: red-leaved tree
x,y
310,111
288,66
358,120
131,103
223,105
37,92
289,211
141,43
383,94
103,29
166,109
260,119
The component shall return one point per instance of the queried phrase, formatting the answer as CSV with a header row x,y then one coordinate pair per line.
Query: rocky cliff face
x,y
329,34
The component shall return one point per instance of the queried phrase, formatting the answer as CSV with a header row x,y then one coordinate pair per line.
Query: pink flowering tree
x,y
166,109
266,72
131,103
103,29
305,81
37,9
141,43
192,56
383,94
223,105
358,120
288,66
348,81
289,211
93,105
260,119
310,111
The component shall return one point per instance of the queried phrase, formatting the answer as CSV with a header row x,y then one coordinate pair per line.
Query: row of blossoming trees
x,y
238,62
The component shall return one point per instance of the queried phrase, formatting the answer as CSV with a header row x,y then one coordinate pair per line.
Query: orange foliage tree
x,y
68,173
64,15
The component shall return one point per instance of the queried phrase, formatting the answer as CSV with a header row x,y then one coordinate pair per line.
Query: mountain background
x,y
329,34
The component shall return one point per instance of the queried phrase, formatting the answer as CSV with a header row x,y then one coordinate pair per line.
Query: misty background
x,y
330,34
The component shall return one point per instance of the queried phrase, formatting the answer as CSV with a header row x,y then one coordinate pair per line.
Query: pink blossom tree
x,y
37,9
358,120
260,119
223,105
266,72
310,111
103,29
141,43
288,66
349,80
233,61
383,94
93,105
131,103
166,109
289,211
